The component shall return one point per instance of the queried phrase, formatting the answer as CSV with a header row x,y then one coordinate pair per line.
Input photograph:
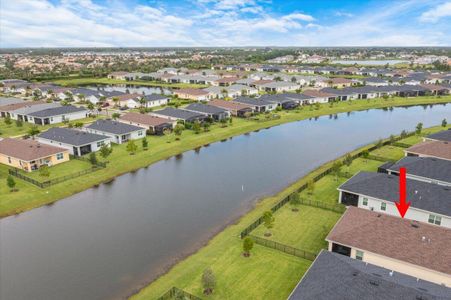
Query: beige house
x,y
29,155
413,248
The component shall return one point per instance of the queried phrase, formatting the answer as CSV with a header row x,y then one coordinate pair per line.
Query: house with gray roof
x,y
280,86
56,115
76,141
427,169
176,114
260,105
9,100
444,136
333,276
118,132
213,112
285,101
429,202
23,112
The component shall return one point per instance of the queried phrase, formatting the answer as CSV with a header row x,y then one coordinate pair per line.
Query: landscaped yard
x,y
361,164
305,229
389,152
60,170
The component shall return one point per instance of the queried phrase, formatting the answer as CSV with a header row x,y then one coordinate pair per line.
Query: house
x,y
84,94
336,277
340,82
437,149
193,94
213,112
117,75
341,94
427,169
57,115
226,81
6,109
285,101
154,100
378,192
236,109
280,86
176,114
9,100
154,124
435,89
118,132
259,105
236,90
127,100
413,248
375,81
76,141
317,96
30,155
444,136
23,112
260,84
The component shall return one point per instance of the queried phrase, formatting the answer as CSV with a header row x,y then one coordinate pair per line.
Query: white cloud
x,y
437,13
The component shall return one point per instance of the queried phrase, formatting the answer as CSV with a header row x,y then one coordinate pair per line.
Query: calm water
x,y
107,241
146,90
371,62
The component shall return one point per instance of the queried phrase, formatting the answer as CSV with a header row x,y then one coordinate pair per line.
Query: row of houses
x,y
375,254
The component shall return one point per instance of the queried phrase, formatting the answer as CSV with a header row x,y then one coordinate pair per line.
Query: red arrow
x,y
402,206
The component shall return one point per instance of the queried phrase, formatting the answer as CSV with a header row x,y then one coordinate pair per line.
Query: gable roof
x,y
252,101
34,108
229,105
113,127
191,91
56,111
205,108
9,100
144,119
333,276
444,135
71,136
155,97
178,113
395,238
437,149
428,167
422,195
27,150
14,106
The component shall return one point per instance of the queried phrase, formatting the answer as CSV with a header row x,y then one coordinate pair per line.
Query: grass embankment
x,y
29,196
267,273
60,170
104,80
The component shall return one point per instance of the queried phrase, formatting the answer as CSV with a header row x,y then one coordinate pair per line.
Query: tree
x,y
91,106
131,147
19,123
178,129
347,162
33,131
145,144
78,125
444,123
403,134
208,281
196,127
418,128
93,158
392,139
11,183
115,115
8,120
248,244
44,171
365,154
268,221
206,126
105,151
336,169
311,186
115,100
295,200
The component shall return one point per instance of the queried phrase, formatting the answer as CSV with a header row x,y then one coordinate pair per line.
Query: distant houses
x,y
57,115
118,132
176,114
213,112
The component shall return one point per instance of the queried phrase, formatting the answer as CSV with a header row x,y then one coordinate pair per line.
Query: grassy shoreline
x,y
29,196
274,269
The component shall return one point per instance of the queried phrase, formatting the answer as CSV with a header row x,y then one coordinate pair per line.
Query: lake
x,y
105,242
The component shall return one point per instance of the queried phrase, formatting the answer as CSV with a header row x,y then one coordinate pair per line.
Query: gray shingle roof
x,y
178,113
34,108
205,108
252,101
444,135
56,111
113,127
155,97
422,195
428,167
335,277
9,100
71,136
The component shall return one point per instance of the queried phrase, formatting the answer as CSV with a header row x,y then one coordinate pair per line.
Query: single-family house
x,y
340,82
318,96
118,132
9,100
126,100
29,155
213,112
401,245
23,112
429,202
76,141
193,94
155,125
375,81
117,75
333,276
235,108
285,101
6,109
225,81
176,114
437,149
444,136
280,86
259,105
57,115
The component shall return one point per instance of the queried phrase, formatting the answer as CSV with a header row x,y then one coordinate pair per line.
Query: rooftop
x,y
444,135
428,167
27,150
71,136
56,111
144,119
205,108
439,149
113,127
178,113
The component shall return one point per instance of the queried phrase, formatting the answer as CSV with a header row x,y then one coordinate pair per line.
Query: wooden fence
x,y
178,294
284,248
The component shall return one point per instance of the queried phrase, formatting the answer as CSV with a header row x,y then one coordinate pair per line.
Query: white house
x,y
57,115
117,132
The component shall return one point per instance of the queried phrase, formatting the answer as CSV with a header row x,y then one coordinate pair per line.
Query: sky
x,y
186,23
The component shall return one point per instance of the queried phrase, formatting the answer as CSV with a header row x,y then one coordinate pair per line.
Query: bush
x,y
248,244
208,281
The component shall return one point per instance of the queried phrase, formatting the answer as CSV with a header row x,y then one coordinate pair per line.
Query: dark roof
x,y
333,276
56,111
252,101
444,135
114,127
27,150
280,98
9,100
428,167
422,195
71,136
178,113
155,97
205,108
396,238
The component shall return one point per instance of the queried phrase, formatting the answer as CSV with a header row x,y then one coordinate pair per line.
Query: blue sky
x,y
132,23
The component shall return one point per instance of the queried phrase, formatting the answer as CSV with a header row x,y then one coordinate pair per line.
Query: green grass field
x,y
60,170
389,152
305,229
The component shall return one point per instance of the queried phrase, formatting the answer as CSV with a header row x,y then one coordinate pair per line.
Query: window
x,y
59,156
433,219
359,255
9,160
383,206
140,133
365,201
100,144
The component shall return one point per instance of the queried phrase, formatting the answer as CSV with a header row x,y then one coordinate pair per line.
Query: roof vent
x,y
379,215
414,225
375,283
391,273
423,239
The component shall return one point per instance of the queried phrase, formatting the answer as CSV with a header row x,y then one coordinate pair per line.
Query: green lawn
x,y
63,169
103,80
361,164
325,190
389,152
305,229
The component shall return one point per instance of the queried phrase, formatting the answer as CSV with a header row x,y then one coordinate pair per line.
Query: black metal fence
x,y
178,294
284,248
